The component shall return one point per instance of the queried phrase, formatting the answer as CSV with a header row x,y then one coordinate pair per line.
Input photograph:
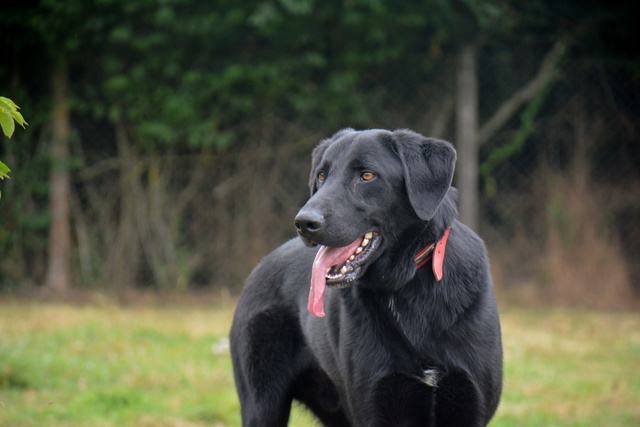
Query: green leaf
x,y
6,121
4,171
7,104
19,119
8,114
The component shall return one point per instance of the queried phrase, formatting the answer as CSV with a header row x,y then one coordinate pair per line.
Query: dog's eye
x,y
367,176
321,176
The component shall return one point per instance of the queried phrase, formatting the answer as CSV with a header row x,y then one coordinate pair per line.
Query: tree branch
x,y
510,107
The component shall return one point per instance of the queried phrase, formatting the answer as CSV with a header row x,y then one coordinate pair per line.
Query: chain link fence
x,y
562,212
559,188
560,181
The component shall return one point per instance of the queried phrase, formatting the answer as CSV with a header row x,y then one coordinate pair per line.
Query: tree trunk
x,y
122,259
59,194
467,135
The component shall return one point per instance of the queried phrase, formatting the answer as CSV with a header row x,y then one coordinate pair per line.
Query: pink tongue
x,y
325,258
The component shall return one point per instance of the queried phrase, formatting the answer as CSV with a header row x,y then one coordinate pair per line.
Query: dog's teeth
x,y
328,270
344,270
365,242
352,257
369,235
359,249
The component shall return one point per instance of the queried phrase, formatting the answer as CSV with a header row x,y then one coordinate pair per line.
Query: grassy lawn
x,y
107,365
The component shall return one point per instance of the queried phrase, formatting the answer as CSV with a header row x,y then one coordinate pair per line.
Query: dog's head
x,y
370,190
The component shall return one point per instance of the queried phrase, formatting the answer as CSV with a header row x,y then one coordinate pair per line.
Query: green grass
x,y
106,365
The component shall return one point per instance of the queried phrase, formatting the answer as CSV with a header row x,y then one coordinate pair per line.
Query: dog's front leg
x,y
262,349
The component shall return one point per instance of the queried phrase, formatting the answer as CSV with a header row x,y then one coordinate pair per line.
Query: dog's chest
x,y
357,346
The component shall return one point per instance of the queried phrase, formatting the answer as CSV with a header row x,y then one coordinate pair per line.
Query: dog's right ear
x,y
317,154
428,165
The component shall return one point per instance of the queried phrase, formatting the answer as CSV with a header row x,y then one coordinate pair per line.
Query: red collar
x,y
435,250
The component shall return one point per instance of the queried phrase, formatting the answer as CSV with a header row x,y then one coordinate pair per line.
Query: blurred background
x,y
169,141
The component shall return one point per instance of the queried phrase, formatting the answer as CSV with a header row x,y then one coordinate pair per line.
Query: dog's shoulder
x,y
281,274
290,258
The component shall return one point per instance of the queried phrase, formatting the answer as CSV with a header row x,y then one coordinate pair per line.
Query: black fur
x,y
397,347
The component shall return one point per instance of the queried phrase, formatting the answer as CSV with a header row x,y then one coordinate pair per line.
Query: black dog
x,y
411,335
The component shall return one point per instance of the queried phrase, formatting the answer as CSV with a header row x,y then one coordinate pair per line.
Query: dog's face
x,y
367,189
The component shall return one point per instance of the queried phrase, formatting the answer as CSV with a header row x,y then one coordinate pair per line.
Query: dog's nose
x,y
308,223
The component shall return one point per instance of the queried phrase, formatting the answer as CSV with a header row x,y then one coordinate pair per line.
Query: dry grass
x,y
579,262
583,261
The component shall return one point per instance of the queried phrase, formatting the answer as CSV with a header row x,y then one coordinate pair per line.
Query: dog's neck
x,y
434,230
445,215
394,269
434,252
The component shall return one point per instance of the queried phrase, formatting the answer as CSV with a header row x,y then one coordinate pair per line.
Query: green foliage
x,y
185,77
4,171
189,73
8,115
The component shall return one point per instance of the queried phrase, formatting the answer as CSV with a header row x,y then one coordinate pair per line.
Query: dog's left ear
x,y
428,170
